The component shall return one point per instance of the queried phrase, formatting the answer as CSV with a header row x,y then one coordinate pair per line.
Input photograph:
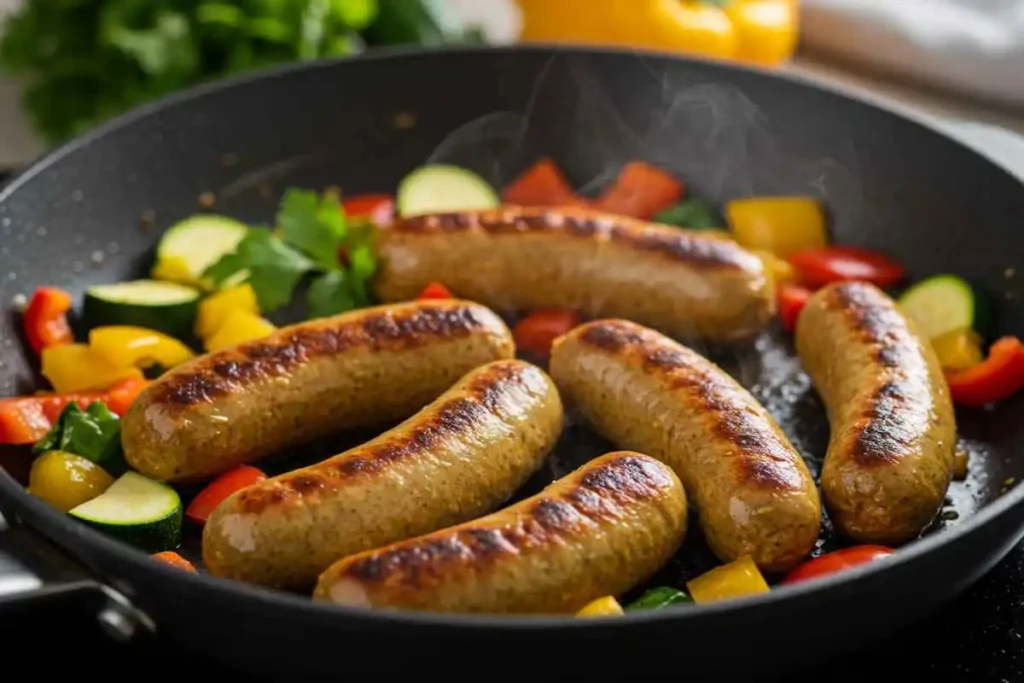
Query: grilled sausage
x,y
458,458
641,390
893,432
680,282
371,366
598,531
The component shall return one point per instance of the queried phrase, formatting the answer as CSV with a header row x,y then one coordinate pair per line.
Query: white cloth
x,y
974,47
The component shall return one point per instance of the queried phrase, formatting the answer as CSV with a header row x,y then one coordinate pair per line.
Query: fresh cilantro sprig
x,y
313,237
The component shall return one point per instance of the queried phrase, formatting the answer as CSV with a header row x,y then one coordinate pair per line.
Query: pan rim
x,y
63,527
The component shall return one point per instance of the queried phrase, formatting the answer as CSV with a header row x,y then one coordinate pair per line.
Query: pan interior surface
x,y
93,212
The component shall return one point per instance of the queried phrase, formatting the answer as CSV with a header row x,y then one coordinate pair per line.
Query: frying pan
x,y
891,183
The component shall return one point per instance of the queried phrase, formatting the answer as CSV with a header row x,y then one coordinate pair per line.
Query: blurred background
x,y
66,65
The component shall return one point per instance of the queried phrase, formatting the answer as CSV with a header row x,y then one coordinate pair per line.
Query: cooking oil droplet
x,y
12,276
19,302
78,195
6,222
113,248
97,257
20,237
78,266
4,251
79,239
41,231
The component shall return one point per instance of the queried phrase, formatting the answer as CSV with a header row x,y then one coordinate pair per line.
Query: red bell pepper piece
x,y
792,300
996,378
203,505
26,419
641,191
538,330
435,290
543,184
379,208
836,561
175,560
819,266
46,322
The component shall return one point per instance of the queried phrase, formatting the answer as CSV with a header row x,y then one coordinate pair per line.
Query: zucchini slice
x,y
138,511
941,304
439,188
164,306
191,246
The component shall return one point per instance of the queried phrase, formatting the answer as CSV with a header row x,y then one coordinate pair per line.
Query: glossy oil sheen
x,y
93,214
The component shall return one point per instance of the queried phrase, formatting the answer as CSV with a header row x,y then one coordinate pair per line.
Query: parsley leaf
x,y
274,268
312,225
694,213
330,294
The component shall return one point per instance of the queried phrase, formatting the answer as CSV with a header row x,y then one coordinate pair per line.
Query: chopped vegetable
x,y
312,235
792,299
640,191
958,349
779,269
837,561
780,225
734,580
379,209
27,419
77,367
94,434
175,560
137,346
239,327
543,184
136,510
996,378
203,505
438,188
162,306
539,329
191,246
941,304
818,266
656,598
607,606
214,309
46,322
435,290
694,213
65,480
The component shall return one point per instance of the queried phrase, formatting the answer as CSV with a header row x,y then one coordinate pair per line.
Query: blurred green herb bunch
x,y
84,61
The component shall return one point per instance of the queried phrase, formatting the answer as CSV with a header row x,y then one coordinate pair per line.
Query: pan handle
x,y
34,571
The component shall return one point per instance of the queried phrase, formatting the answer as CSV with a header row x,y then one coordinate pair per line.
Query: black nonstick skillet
x,y
890,183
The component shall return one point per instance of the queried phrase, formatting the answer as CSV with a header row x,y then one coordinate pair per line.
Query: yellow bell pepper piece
x,y
137,346
602,607
78,367
766,30
779,269
780,225
958,350
736,579
760,31
172,269
239,327
214,309
65,480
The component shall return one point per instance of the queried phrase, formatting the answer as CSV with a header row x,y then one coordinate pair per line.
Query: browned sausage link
x,y
458,458
370,366
680,282
599,531
893,431
641,390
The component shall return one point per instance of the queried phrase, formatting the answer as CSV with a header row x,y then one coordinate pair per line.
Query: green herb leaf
x,y
274,268
694,213
656,598
94,434
312,225
329,294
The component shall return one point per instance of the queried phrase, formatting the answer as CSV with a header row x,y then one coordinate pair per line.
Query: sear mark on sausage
x,y
601,496
890,423
484,395
765,462
231,371
627,232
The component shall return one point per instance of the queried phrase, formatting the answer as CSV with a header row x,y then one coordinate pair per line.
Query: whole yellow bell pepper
x,y
139,347
758,31
78,367
736,579
239,327
607,606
